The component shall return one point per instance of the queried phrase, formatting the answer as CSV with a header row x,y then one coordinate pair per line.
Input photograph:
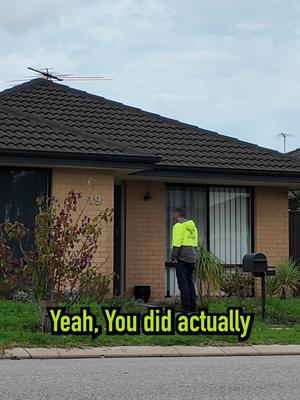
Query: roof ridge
x,y
155,116
294,155
295,151
74,131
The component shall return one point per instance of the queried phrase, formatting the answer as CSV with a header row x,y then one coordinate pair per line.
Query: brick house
x,y
54,139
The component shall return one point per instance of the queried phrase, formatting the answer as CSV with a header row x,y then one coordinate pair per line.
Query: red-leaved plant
x,y
66,242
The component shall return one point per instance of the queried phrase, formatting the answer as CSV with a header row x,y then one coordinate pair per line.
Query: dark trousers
x,y
184,274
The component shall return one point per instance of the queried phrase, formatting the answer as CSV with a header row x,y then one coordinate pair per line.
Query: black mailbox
x,y
256,263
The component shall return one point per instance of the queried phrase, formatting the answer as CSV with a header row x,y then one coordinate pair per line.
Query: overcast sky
x,y
232,66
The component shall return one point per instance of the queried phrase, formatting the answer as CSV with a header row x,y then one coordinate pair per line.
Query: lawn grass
x,y
20,326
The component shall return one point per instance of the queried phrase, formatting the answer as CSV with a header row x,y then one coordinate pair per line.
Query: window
x,y
222,215
19,188
229,223
223,218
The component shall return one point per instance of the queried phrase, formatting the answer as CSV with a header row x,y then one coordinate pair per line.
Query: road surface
x,y
232,378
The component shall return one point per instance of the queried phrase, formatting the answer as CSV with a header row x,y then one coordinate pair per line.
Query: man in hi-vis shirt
x,y
184,254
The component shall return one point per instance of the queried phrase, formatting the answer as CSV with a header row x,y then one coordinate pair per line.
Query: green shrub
x,y
96,288
7,287
237,284
66,241
23,296
283,312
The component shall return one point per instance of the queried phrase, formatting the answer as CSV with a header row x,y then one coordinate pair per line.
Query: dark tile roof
x,y
294,153
85,122
23,131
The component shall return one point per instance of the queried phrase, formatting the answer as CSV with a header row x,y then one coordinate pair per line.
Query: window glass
x,y
19,189
230,223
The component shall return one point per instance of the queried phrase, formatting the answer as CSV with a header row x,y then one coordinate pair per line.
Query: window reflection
x,y
19,189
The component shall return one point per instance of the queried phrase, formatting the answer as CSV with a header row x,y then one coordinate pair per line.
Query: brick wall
x,y
271,223
66,179
145,237
145,224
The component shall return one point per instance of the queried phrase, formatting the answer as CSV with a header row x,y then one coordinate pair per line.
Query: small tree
x,y
65,245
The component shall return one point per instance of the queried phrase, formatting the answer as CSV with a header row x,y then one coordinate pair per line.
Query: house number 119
x,y
95,200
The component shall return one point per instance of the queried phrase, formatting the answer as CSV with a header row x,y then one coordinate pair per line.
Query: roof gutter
x,y
33,157
224,173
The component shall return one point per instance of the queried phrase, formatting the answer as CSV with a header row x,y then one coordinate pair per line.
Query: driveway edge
x,y
43,353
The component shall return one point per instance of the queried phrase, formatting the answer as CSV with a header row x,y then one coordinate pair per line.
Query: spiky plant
x,y
208,275
270,285
287,279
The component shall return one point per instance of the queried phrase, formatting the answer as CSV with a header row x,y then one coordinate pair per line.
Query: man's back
x,y
184,241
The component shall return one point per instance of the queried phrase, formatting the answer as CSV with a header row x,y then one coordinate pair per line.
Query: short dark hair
x,y
180,211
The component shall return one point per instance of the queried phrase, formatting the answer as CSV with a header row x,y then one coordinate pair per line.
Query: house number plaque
x,y
95,200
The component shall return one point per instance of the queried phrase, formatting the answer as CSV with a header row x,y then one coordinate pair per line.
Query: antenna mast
x,y
284,136
53,76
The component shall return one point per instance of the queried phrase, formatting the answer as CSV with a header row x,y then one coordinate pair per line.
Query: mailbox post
x,y
257,264
263,297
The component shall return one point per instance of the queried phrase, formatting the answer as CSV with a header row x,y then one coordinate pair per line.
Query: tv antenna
x,y
53,76
284,136
46,74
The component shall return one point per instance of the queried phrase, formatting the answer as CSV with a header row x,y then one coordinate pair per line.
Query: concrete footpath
x,y
22,353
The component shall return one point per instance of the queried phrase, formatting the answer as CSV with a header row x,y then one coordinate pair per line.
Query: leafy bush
x,y
237,284
97,288
7,287
283,312
65,244
207,275
13,275
70,295
22,296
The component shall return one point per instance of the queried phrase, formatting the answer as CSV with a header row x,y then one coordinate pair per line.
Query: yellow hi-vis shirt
x,y
185,234
184,242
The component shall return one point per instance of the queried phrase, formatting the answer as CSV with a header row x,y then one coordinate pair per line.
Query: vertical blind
x,y
230,223
194,200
